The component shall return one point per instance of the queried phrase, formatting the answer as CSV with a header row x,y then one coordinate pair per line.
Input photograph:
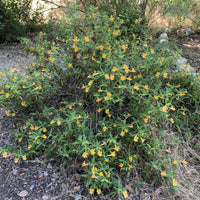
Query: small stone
x,y
23,193
45,173
163,36
45,197
163,40
189,31
168,30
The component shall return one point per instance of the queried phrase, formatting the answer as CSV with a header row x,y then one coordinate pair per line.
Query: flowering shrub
x,y
97,94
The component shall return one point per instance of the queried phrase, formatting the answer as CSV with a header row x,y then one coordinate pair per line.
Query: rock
x,y
163,36
163,40
45,197
45,173
180,61
189,31
23,193
182,64
168,30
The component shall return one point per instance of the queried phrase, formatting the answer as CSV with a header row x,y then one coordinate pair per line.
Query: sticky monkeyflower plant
x,y
102,96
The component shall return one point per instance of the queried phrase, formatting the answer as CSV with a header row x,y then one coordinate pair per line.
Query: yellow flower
x,y
32,127
144,55
174,182
90,82
165,75
84,155
152,51
52,59
172,108
4,154
116,148
101,174
52,121
106,76
87,39
19,139
114,69
101,47
175,162
113,154
133,70
172,120
99,153
24,157
146,87
99,110
59,123
130,158
130,166
84,164
104,128
135,138
184,161
23,104
49,52
44,136
44,130
123,78
164,108
112,77
93,176
169,150
87,89
129,78
92,151
142,140
122,133
125,194
29,146
16,160
69,64
157,73
104,55
75,39
98,191
111,18
136,87
163,173
91,191
121,165
7,95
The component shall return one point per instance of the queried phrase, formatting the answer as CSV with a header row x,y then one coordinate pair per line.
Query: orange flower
x,y
125,194
163,173
114,69
84,155
174,182
184,161
87,39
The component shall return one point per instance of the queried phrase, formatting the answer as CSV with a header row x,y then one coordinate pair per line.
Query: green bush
x,y
16,18
99,96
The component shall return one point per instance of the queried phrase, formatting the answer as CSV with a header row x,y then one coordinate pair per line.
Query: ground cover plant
x,y
104,97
